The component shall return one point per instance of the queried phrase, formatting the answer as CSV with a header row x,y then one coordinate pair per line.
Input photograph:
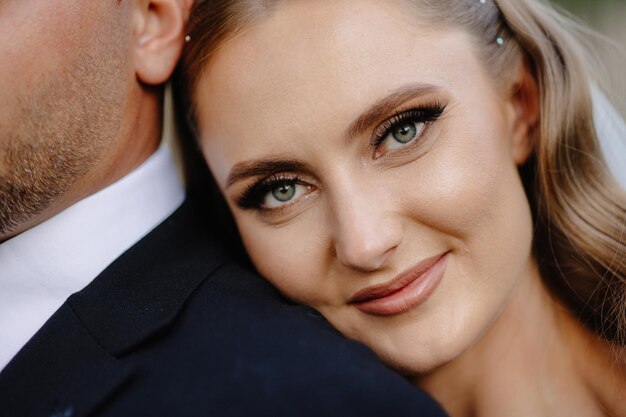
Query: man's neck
x,y
536,359
139,138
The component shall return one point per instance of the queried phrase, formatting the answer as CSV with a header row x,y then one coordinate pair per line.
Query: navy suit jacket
x,y
175,328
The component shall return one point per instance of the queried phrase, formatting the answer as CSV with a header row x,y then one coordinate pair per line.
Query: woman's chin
x,y
412,367
417,343
413,352
414,363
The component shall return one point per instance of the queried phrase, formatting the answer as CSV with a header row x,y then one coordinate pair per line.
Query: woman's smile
x,y
404,292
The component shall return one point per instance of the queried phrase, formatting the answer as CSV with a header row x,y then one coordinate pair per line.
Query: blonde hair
x,y
579,210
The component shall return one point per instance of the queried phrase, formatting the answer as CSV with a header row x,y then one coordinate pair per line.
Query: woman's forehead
x,y
302,43
284,58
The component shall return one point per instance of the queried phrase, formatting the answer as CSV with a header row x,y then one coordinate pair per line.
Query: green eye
x,y
284,192
404,130
405,133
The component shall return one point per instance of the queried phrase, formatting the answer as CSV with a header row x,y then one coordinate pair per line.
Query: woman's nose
x,y
366,234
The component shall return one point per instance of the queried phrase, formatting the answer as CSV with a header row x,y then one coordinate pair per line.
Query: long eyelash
x,y
422,114
252,197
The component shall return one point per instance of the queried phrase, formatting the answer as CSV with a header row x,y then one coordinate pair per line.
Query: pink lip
x,y
406,291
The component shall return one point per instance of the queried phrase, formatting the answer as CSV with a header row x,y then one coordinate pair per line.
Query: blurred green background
x,y
609,18
606,16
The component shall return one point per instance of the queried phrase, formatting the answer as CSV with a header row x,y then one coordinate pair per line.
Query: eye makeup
x,y
254,195
422,114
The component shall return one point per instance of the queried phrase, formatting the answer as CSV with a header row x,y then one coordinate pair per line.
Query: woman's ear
x,y
525,105
158,37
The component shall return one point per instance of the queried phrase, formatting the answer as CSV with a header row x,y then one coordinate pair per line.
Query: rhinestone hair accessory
x,y
499,39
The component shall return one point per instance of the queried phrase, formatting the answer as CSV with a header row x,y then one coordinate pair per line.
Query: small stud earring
x,y
187,38
500,41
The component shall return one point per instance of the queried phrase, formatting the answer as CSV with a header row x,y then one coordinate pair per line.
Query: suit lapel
x,y
62,371
145,288
72,364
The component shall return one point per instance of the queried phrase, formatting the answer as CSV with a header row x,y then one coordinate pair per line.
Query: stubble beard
x,y
56,134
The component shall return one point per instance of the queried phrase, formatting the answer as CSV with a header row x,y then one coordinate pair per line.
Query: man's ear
x,y
525,106
159,36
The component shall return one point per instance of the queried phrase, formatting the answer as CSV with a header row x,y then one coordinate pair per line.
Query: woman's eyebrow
x,y
263,168
386,105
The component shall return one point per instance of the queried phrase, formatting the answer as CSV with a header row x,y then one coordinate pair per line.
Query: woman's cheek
x,y
471,198
456,188
288,257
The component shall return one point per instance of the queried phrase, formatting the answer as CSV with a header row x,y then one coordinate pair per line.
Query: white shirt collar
x,y
42,267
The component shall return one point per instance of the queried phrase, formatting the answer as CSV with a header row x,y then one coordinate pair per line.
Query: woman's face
x,y
371,166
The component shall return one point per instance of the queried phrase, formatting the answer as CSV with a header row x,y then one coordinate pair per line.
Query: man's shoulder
x,y
236,314
238,348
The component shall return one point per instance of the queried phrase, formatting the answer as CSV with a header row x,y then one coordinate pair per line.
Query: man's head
x,y
80,97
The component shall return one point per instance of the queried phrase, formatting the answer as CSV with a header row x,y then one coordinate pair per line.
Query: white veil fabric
x,y
611,131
